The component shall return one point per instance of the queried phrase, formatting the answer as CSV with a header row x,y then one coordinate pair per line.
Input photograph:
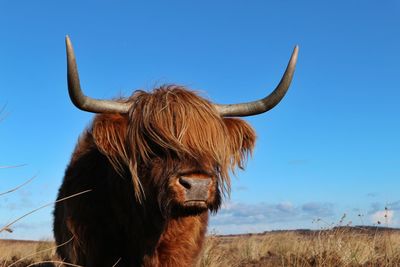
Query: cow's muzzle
x,y
196,190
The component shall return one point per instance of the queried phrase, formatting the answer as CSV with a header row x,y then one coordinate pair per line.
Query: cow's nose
x,y
186,182
196,189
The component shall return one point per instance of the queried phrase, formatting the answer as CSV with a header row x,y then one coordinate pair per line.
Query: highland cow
x,y
156,163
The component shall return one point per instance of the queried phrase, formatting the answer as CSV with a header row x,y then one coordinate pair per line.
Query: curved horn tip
x,y
67,40
293,57
268,102
296,50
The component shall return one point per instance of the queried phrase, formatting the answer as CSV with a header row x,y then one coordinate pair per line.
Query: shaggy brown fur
x,y
136,211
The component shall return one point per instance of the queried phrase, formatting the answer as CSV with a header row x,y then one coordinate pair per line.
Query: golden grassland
x,y
340,246
23,253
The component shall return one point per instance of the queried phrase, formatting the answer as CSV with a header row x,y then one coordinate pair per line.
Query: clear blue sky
x,y
331,147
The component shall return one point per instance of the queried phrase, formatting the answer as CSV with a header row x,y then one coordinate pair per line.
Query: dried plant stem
x,y
59,262
18,187
12,166
40,251
44,206
2,117
115,264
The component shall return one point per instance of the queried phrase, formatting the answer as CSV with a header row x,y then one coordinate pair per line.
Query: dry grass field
x,y
24,253
340,246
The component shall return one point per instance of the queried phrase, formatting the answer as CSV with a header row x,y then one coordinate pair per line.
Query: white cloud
x,y
245,218
385,217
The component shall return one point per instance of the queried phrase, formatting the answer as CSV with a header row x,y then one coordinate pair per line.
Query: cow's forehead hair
x,y
177,119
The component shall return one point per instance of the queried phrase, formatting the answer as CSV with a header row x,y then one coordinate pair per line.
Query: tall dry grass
x,y
340,246
23,253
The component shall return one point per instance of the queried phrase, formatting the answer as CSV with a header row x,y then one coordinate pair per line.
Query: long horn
x,y
78,98
268,102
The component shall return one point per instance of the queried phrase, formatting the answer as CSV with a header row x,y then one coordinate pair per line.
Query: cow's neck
x,y
179,243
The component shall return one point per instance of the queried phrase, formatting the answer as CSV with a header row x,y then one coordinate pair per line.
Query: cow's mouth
x,y
195,203
190,208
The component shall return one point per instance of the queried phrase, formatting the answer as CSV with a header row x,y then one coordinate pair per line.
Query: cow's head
x,y
178,147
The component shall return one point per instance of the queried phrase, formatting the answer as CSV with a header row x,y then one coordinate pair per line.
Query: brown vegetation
x,y
341,246
22,253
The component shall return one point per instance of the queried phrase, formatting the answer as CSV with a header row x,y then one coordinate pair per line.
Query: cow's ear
x,y
109,133
242,140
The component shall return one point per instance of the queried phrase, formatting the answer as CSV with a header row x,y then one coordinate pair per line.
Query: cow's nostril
x,y
185,182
